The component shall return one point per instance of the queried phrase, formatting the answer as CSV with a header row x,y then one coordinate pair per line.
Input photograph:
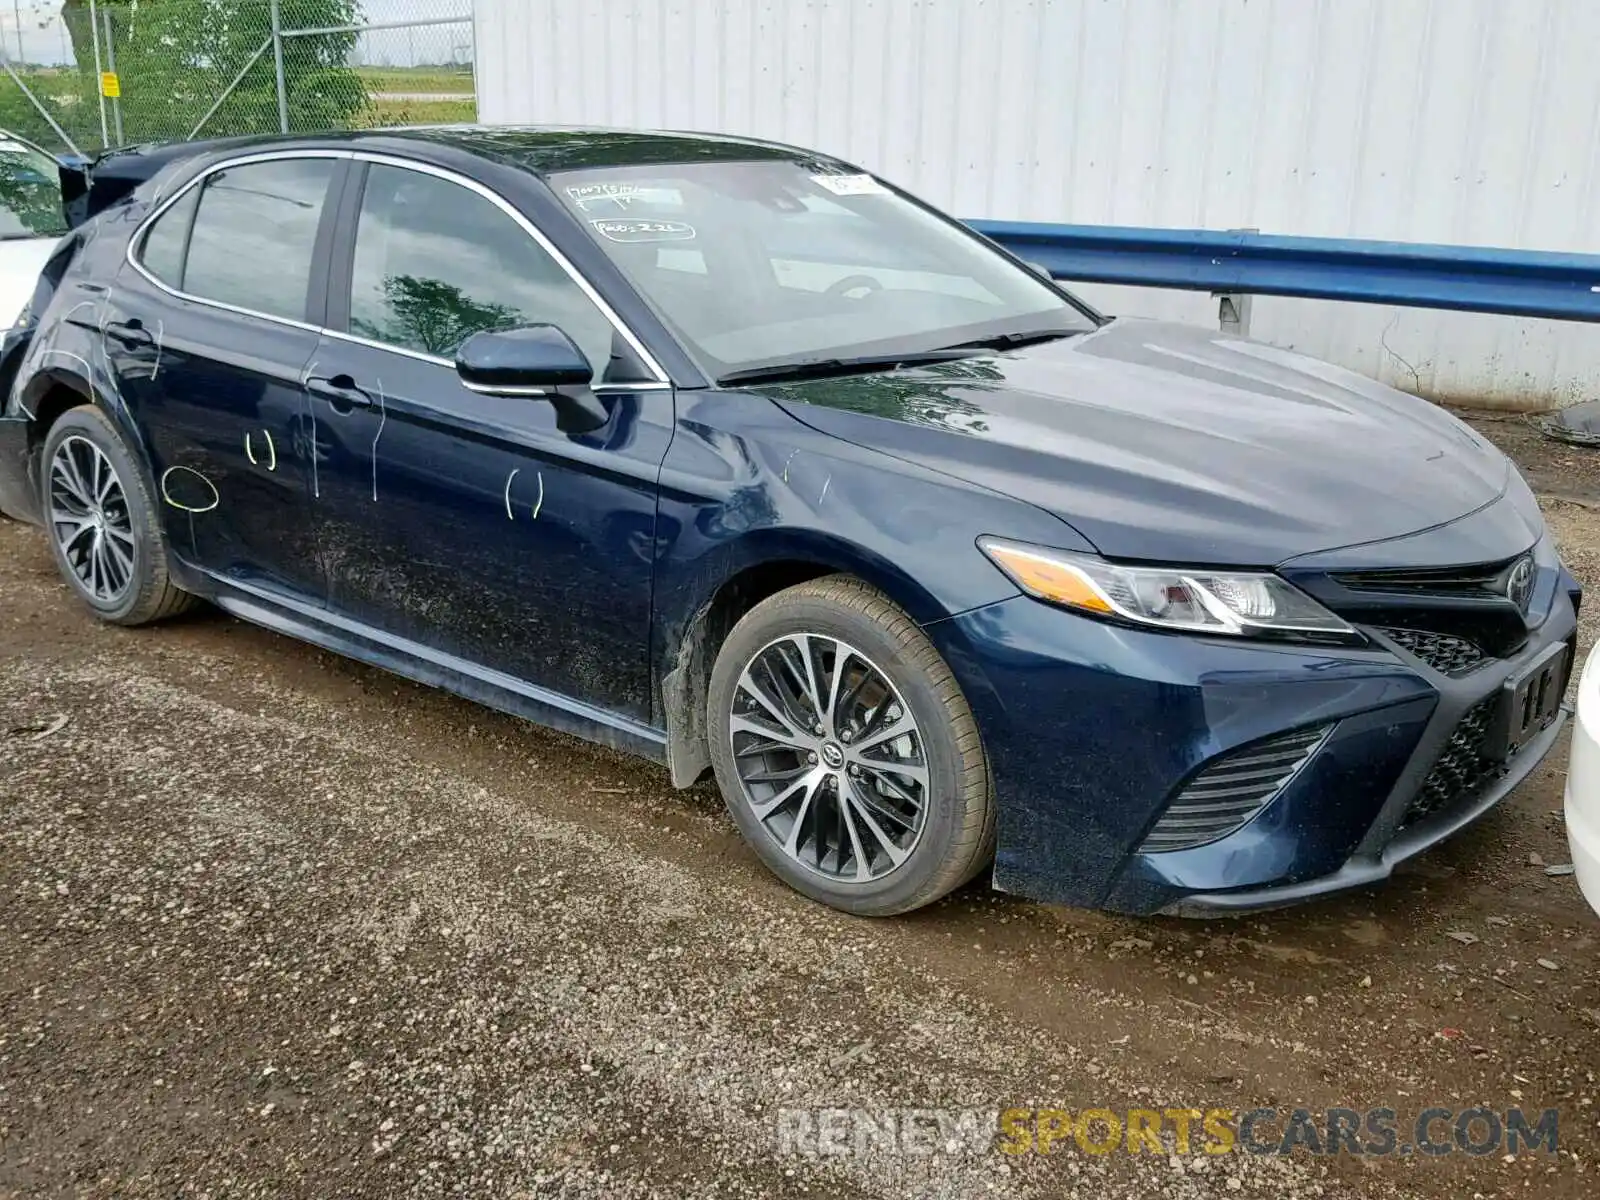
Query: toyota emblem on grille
x,y
1519,583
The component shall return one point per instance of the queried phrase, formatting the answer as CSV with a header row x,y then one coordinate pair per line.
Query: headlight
x,y
1241,603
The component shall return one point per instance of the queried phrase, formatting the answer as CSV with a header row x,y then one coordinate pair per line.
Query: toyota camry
x,y
738,457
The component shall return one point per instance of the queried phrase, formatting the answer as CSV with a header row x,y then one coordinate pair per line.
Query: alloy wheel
x,y
89,519
829,758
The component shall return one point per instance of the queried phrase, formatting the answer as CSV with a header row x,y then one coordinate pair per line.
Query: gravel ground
x,y
276,924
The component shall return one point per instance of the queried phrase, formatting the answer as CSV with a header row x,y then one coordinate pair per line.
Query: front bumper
x,y
1370,865
1091,728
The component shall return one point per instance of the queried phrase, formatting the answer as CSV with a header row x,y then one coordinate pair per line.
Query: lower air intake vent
x,y
1231,789
1462,769
1445,653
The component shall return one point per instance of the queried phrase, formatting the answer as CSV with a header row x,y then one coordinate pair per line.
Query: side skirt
x,y
309,623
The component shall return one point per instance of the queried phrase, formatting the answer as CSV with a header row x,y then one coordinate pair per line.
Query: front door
x,y
208,340
471,525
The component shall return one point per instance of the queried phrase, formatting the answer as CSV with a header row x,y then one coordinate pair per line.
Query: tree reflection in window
x,y
436,262
30,194
433,316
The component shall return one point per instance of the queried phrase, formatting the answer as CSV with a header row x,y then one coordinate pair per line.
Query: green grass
x,y
380,114
417,79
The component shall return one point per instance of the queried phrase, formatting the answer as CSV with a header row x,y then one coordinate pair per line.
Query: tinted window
x,y
436,263
162,252
254,234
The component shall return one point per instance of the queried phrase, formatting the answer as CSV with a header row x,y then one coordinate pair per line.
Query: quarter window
x,y
162,252
255,233
436,262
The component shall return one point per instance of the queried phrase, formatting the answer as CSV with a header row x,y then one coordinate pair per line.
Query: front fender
x,y
745,484
747,488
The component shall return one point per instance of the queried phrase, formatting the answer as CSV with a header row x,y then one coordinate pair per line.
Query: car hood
x,y
1169,442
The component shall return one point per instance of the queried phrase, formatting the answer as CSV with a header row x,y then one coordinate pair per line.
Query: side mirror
x,y
529,359
1041,271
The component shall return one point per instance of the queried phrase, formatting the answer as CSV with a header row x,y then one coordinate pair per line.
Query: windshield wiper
x,y
1010,341
808,368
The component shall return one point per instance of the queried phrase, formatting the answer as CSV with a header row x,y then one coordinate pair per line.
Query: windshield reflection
x,y
777,263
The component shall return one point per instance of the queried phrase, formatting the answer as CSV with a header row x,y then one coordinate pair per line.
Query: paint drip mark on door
x,y
250,450
383,419
311,418
510,516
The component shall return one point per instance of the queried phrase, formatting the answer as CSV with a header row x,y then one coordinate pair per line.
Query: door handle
x,y
341,391
130,332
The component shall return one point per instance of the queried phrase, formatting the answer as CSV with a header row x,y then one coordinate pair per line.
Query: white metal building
x,y
1470,121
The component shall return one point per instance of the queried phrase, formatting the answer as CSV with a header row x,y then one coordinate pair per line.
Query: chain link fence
x,y
87,74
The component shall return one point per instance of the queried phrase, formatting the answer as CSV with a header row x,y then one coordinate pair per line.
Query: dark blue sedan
x,y
733,456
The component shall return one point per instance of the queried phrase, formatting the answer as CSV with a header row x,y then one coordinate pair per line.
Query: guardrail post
x,y
1233,312
277,65
1233,308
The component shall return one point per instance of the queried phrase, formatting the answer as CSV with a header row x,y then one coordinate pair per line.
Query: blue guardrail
x,y
1527,283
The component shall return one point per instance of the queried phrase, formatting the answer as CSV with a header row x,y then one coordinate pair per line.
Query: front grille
x,y
1232,789
1468,603
1474,582
1462,770
1444,652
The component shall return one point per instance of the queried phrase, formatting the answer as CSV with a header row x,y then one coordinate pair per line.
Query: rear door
x,y
473,525
209,333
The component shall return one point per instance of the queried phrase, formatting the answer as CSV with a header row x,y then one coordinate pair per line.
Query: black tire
x,y
149,594
957,835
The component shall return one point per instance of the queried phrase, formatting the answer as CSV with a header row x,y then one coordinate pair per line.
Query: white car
x,y
1583,783
31,220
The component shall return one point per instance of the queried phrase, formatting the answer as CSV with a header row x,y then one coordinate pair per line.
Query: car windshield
x,y
762,266
30,192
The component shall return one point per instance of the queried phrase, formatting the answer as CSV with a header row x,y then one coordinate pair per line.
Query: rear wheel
x,y
846,752
100,518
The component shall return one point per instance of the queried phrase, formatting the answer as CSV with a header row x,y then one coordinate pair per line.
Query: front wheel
x,y
846,752
100,518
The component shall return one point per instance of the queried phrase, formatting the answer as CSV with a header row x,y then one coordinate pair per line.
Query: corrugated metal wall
x,y
1473,121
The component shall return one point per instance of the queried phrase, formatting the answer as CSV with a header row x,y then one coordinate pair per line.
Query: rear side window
x,y
254,235
436,263
162,252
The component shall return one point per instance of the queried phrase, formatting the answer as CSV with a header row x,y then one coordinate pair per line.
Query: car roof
x,y
543,149
537,149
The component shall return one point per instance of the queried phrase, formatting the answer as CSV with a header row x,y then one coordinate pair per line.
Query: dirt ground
x,y
276,924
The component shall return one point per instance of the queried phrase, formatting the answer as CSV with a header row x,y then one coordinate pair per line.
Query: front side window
x,y
761,263
255,235
436,262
